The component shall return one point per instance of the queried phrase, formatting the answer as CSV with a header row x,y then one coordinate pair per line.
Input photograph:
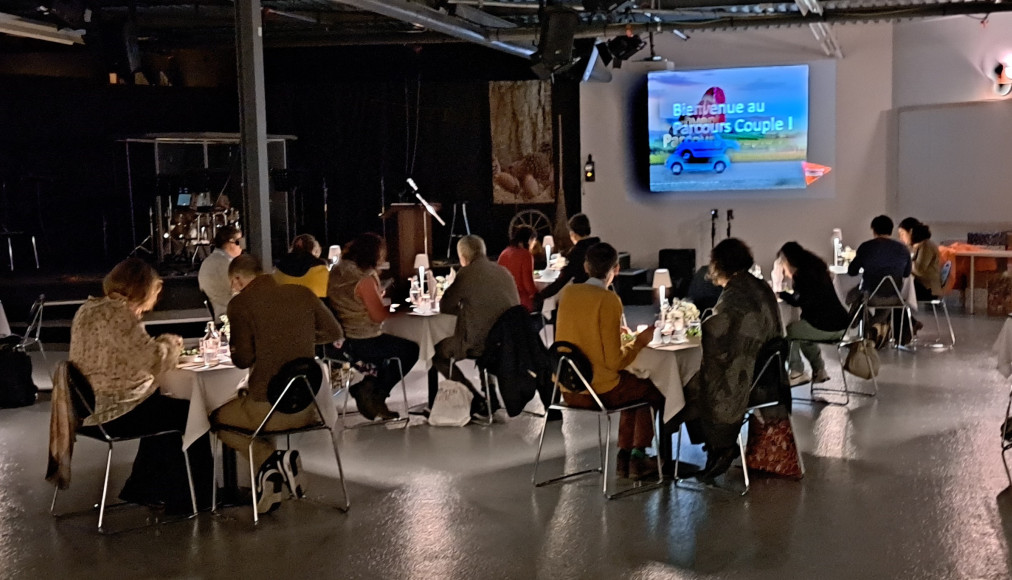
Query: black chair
x,y
681,264
1006,436
290,391
83,401
575,372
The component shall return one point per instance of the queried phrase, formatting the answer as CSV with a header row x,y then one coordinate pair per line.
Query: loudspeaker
x,y
589,64
558,26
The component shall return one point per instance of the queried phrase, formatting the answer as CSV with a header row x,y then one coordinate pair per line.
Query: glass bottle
x,y
210,344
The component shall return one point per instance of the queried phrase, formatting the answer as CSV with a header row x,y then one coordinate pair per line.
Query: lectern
x,y
409,232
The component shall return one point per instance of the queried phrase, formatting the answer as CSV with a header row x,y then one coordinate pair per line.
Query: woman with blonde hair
x,y
123,364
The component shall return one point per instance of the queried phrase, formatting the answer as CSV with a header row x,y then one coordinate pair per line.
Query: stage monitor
x,y
728,129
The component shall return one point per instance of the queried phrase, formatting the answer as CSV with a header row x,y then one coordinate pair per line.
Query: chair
x,y
1006,436
346,389
487,386
83,401
773,362
888,290
575,372
845,341
681,263
208,306
34,330
935,303
290,391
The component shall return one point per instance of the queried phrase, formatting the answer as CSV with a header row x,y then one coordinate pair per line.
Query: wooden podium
x,y
409,232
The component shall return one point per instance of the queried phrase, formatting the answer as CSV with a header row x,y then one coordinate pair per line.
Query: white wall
x,y
627,216
944,61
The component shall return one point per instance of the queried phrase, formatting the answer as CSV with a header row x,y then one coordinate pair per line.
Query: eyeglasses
x,y
235,241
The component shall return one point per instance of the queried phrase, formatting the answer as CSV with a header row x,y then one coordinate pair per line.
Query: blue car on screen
x,y
705,155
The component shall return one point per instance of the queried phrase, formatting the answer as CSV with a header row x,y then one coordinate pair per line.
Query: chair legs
x,y
406,419
105,489
948,321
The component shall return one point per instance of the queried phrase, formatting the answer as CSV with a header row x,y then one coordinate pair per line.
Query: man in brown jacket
x,y
271,324
480,294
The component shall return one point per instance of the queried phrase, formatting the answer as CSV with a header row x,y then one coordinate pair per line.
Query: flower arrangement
x,y
681,316
226,330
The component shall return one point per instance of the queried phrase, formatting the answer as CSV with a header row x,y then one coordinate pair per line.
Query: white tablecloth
x,y
1002,349
669,367
426,330
550,303
843,283
208,388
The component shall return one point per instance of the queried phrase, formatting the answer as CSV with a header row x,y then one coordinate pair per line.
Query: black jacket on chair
x,y
519,360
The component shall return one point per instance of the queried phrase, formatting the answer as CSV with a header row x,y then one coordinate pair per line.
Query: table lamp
x,y
662,280
334,255
548,242
421,262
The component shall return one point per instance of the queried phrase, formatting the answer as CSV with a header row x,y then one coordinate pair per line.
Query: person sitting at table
x,y
875,259
213,274
124,365
517,258
823,318
926,265
904,230
355,295
744,319
302,265
271,324
590,316
579,233
480,294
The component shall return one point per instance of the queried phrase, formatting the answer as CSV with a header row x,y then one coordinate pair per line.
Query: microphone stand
x,y
713,228
730,216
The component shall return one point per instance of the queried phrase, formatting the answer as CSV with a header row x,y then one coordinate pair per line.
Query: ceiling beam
x,y
427,18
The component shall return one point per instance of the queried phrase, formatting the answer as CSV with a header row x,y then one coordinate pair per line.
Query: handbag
x,y
771,447
862,360
452,406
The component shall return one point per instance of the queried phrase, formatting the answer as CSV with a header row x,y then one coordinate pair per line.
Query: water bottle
x,y
209,345
837,247
224,354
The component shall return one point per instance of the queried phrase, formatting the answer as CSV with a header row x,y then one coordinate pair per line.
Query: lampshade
x,y
548,241
334,254
421,260
662,278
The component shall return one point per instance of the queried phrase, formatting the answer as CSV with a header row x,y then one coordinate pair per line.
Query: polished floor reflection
x,y
907,485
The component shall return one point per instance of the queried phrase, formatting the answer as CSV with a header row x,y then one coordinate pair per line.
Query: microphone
x,y
411,184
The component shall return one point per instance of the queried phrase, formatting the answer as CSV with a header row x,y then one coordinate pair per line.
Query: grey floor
x,y
906,485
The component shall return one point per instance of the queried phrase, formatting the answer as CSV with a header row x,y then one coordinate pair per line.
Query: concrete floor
x,y
907,485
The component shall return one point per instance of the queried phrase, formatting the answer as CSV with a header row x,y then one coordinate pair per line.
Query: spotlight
x,y
1002,81
624,47
588,169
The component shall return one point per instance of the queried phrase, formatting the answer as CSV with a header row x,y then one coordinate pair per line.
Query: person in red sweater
x,y
517,258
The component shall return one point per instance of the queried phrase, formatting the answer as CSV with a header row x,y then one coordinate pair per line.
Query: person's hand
x,y
644,338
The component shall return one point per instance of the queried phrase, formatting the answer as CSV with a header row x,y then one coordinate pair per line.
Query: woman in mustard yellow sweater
x,y
303,266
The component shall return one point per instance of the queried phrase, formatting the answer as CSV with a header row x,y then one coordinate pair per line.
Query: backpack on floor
x,y
17,389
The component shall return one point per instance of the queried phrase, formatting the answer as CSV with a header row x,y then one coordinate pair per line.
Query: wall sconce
x,y
588,169
1002,80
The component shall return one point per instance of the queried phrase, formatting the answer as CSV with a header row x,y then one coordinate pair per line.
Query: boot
x,y
364,398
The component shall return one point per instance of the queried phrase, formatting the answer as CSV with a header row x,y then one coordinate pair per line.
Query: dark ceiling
x,y
509,25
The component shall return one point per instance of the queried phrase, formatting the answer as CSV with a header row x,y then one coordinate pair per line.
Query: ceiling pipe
x,y
427,18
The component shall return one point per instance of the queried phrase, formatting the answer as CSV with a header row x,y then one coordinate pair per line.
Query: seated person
x,y
590,316
879,257
480,294
517,258
579,234
213,274
823,318
271,324
355,295
926,264
302,265
124,364
744,319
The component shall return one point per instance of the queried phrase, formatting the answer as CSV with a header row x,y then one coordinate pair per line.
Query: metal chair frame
x,y
109,440
1006,442
346,389
680,482
603,443
844,342
486,384
905,311
319,426
34,330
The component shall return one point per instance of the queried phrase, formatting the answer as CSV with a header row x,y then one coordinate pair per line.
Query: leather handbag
x,y
862,360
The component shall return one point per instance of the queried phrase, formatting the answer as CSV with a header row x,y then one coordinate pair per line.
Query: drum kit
x,y
192,222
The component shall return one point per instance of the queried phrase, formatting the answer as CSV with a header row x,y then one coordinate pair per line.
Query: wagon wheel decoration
x,y
537,220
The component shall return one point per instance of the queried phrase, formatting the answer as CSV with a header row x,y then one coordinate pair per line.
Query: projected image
x,y
728,129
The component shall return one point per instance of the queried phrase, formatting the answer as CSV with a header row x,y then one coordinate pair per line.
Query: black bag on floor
x,y
16,386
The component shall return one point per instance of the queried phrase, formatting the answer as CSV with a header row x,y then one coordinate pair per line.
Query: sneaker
x,y
800,378
270,485
821,376
290,466
622,464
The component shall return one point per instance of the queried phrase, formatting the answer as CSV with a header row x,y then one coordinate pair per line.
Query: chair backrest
x,y
34,321
681,264
295,385
207,304
82,396
887,288
946,271
769,378
573,367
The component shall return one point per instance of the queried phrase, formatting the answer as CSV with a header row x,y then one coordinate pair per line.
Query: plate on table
x,y
189,359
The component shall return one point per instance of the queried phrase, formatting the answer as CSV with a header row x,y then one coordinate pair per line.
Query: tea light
x,y
641,328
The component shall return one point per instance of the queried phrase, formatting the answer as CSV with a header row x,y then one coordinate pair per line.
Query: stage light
x,y
588,169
